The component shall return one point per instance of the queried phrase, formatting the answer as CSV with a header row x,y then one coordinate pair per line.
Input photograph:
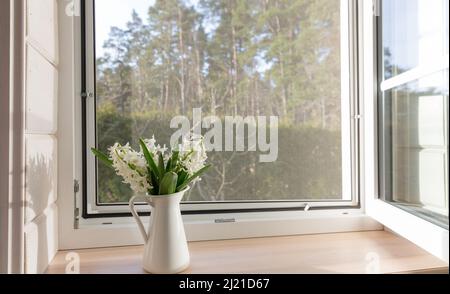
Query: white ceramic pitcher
x,y
166,250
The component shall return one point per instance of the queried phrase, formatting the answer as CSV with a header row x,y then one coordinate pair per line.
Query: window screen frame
x,y
350,131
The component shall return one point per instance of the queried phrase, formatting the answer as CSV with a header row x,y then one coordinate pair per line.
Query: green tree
x,y
230,57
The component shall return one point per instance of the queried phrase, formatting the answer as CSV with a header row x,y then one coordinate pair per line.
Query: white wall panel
x,y
40,174
41,96
40,243
41,92
42,27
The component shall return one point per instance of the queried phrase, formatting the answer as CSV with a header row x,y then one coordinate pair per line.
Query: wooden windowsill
x,y
325,253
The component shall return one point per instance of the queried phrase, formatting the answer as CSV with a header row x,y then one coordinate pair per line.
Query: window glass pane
x,y
418,150
414,32
413,116
159,59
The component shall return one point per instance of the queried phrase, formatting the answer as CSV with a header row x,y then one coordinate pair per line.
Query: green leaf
x,y
154,182
149,159
193,177
162,169
168,184
187,155
182,177
174,158
102,156
169,165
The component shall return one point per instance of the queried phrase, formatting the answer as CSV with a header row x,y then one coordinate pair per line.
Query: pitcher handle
x,y
136,216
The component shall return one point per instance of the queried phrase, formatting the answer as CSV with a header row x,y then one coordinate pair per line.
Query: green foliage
x,y
104,158
150,161
187,180
112,127
308,165
230,57
168,184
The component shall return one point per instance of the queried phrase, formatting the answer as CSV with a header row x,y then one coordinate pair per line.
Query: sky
x,y
116,13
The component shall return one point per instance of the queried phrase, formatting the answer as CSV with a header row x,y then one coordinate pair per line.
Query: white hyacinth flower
x,y
131,166
193,154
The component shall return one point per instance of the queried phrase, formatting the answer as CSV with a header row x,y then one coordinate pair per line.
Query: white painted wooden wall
x,y
41,98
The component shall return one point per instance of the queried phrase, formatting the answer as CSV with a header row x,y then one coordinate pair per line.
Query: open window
x,y
406,120
413,107
313,65
145,62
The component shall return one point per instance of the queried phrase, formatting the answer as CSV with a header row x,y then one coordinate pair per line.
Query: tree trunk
x,y
234,70
257,97
161,95
168,67
166,99
324,113
213,102
198,75
182,61
284,94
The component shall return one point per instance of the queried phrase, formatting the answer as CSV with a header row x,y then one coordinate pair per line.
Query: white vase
x,y
166,250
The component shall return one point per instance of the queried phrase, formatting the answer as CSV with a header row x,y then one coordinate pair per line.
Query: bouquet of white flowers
x,y
154,169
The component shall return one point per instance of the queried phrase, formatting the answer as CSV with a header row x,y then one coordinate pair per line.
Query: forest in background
x,y
230,57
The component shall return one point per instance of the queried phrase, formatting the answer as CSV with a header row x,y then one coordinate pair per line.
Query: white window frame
x,y
76,232
348,110
427,235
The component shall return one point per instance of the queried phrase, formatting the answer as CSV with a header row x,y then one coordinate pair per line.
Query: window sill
x,y
124,232
356,252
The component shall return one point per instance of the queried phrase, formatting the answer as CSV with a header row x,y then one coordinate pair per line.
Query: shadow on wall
x,y
39,219
39,183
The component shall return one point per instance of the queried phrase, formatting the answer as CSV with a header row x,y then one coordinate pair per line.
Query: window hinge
x,y
376,7
76,186
76,212
87,94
